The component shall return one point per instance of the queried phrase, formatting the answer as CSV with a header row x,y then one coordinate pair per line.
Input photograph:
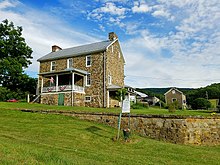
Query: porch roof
x,y
70,70
113,87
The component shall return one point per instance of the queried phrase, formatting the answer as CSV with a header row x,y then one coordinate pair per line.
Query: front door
x,y
61,99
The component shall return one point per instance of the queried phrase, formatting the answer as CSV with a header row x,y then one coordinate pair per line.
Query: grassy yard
x,y
5,105
33,138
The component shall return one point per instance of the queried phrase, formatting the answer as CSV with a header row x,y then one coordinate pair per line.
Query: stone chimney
x,y
56,48
112,36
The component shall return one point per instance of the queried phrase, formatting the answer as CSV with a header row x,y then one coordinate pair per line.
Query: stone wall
x,y
174,129
194,130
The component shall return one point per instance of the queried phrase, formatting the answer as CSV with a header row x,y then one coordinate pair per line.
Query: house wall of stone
x,y
95,90
78,99
115,64
52,99
61,64
114,67
169,96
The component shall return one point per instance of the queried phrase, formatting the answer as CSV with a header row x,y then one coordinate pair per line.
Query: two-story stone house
x,y
173,95
87,75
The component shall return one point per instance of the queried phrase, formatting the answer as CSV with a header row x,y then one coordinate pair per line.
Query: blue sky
x,y
165,42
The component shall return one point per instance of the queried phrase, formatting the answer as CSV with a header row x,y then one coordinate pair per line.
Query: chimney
x,y
112,36
56,48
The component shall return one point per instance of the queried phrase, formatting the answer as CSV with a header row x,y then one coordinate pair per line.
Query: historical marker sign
x,y
126,106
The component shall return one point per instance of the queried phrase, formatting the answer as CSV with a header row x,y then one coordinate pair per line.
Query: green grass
x,y
33,138
5,105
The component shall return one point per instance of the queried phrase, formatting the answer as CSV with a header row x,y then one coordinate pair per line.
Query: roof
x,y
141,94
66,70
77,51
173,88
113,87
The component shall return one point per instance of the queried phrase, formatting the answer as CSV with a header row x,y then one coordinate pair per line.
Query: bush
x,y
201,103
172,107
6,94
140,106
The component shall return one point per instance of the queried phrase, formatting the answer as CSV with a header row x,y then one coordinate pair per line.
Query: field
x,y
33,138
5,105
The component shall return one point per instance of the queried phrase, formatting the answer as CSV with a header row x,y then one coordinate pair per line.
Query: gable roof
x,y
141,94
77,51
173,88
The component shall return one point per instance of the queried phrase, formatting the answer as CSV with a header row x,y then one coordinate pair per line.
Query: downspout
x,y
104,78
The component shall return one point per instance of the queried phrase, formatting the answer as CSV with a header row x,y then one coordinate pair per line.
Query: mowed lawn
x,y
33,138
156,111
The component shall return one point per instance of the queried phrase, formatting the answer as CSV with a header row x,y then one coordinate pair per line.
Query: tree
x,y
201,103
15,54
120,94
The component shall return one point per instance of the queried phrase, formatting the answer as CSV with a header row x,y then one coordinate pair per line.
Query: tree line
x,y
195,98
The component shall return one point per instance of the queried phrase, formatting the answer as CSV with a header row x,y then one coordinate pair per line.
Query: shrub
x,y
6,94
172,107
140,105
201,103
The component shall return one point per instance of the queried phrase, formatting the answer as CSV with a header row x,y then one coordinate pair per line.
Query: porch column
x,y
108,99
73,87
57,79
42,84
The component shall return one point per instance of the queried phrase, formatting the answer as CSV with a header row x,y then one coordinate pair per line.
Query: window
x,y
88,79
174,99
112,48
88,61
88,99
69,63
109,80
52,66
119,55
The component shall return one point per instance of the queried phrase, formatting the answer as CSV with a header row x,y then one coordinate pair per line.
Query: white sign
x,y
126,106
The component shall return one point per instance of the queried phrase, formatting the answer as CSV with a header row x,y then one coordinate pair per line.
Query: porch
x,y
63,81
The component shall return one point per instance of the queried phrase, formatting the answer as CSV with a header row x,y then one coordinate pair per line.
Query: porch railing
x,y
61,88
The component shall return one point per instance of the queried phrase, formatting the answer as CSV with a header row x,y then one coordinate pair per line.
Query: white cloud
x,y
141,8
40,34
111,8
183,52
7,3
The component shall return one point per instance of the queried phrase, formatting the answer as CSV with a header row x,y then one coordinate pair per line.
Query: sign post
x,y
119,125
125,109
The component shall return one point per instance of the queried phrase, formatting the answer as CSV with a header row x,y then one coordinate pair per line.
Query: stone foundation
x,y
52,99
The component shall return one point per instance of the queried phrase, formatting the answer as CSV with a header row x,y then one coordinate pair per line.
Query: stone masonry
x,y
103,64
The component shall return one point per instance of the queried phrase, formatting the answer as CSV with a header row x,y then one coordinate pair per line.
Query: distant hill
x,y
161,90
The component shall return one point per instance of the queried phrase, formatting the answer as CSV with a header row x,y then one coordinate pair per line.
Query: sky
x,y
165,43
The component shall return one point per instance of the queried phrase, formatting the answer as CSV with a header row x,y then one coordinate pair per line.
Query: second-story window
x,y
88,79
53,66
69,63
88,61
